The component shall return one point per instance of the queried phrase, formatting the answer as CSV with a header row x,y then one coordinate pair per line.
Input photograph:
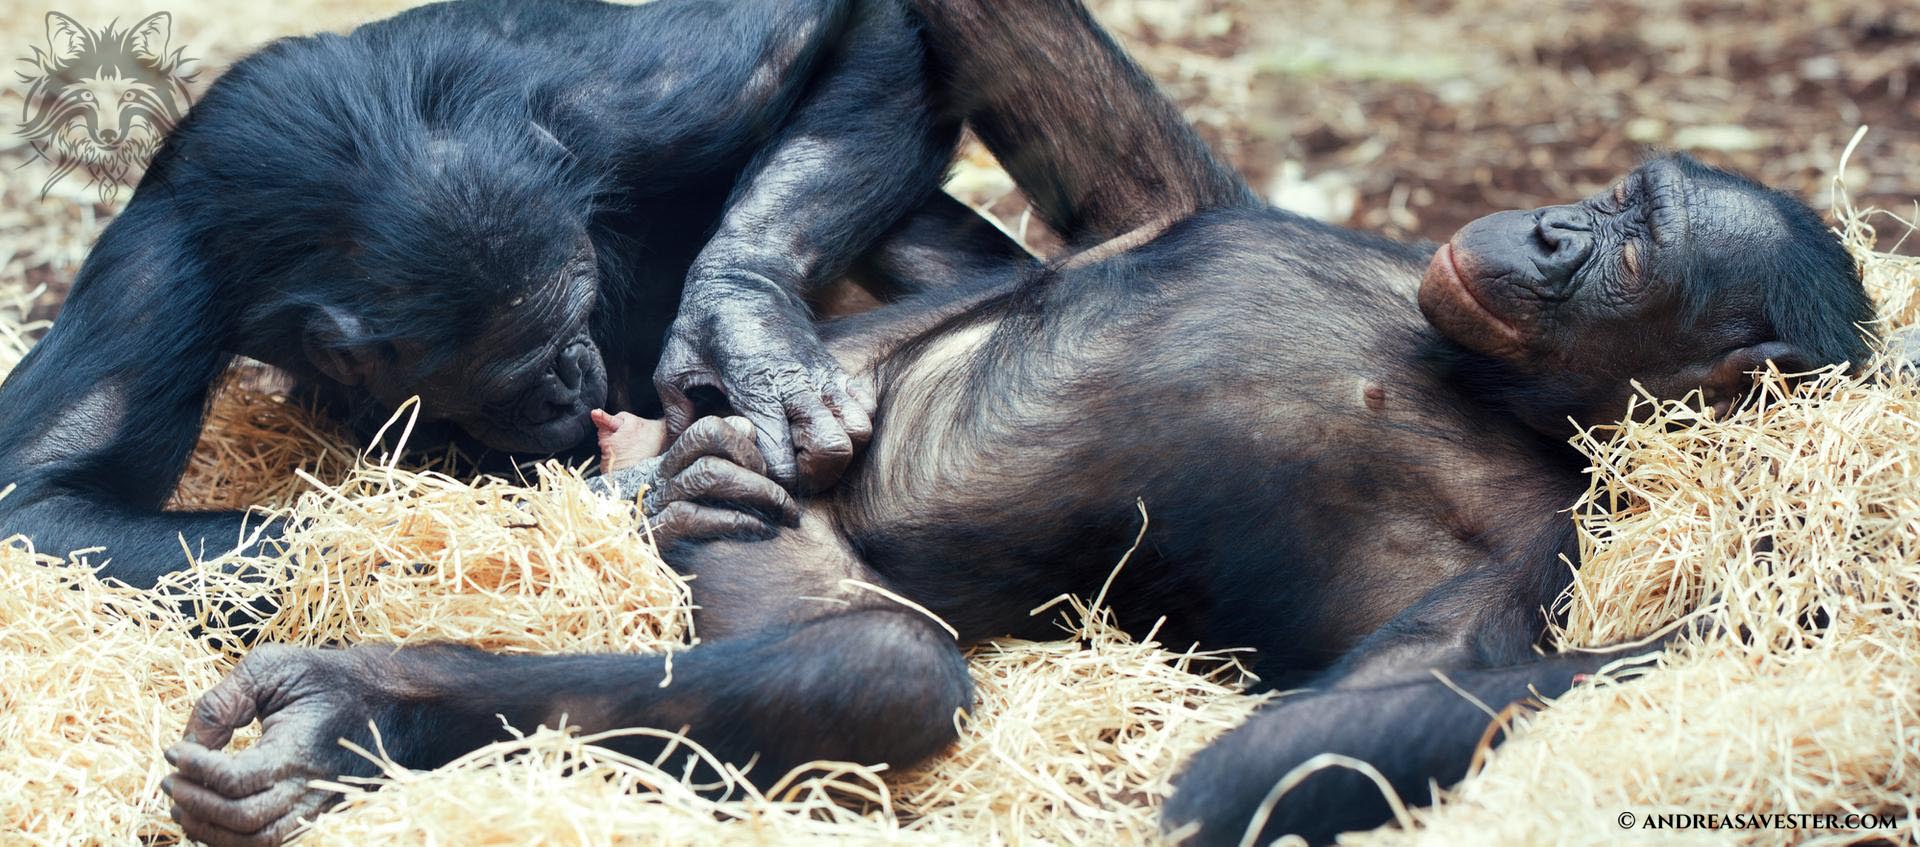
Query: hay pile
x,y
93,681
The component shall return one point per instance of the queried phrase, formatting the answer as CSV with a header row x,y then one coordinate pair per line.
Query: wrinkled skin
x,y
711,483
305,704
808,417
523,384
1570,287
1660,280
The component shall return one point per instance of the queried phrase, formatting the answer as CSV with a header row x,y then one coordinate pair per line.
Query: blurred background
x,y
1404,116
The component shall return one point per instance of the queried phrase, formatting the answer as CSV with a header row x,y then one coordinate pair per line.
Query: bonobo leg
x,y
97,422
1386,704
1412,732
942,246
1084,132
798,662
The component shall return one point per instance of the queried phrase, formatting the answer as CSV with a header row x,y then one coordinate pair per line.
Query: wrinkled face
x,y
1658,279
525,381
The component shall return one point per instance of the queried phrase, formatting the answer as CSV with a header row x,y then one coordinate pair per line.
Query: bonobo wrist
x,y
627,484
734,290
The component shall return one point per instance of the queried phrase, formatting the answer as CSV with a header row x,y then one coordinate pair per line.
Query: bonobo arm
x,y
1090,140
97,422
860,152
1385,703
1413,732
775,681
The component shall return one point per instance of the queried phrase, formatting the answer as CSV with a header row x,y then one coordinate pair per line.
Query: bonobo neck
x,y
1544,402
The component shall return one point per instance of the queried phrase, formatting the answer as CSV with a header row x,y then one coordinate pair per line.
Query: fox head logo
x,y
100,101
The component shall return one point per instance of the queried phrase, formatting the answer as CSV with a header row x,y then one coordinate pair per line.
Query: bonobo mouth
x,y
563,433
1455,307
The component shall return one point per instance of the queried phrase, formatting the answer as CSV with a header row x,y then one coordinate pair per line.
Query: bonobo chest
x,y
1350,474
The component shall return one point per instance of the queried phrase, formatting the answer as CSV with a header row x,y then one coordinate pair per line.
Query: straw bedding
x,y
1788,536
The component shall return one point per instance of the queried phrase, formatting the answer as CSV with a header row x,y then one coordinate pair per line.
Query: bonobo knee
x,y
892,687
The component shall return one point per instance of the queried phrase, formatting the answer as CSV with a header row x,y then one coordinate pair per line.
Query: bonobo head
x,y
484,291
1680,276
423,232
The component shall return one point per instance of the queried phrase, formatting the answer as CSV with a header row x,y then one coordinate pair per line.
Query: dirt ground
x,y
1415,116
1406,116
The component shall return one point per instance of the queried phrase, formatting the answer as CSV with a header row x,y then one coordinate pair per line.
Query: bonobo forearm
x,y
1420,732
434,703
818,196
138,547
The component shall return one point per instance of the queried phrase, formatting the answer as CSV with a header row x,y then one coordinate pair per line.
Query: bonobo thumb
x,y
226,707
775,437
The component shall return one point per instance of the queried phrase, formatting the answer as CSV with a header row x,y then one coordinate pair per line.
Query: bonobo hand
x,y
809,417
306,700
710,483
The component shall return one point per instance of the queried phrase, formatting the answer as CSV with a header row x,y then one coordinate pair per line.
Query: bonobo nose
x,y
1565,237
560,393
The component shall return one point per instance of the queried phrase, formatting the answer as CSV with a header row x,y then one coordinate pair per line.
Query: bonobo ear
x,y
337,343
1726,380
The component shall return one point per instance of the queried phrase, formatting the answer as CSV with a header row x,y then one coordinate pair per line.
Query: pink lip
x,y
1465,293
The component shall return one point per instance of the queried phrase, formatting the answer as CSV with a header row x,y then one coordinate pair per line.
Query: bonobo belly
x,y
963,503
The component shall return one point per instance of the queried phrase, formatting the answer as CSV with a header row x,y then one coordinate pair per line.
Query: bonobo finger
x,y
774,441
212,834
732,439
821,446
686,521
714,481
245,815
241,774
679,408
225,707
856,417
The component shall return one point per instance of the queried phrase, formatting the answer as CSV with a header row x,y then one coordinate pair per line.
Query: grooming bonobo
x,y
495,205
1353,451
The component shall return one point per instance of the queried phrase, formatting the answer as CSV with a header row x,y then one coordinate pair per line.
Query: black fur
x,y
368,211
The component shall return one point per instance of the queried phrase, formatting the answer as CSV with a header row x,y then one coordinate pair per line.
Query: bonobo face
x,y
527,380
1680,276
516,368
464,274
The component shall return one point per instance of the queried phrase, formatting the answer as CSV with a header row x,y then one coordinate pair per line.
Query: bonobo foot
x,y
306,701
710,483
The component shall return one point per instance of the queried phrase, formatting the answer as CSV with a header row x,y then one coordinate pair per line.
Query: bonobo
x,y
493,205
1353,450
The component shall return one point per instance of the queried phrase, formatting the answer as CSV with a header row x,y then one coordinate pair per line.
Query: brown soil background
x,y
1406,116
